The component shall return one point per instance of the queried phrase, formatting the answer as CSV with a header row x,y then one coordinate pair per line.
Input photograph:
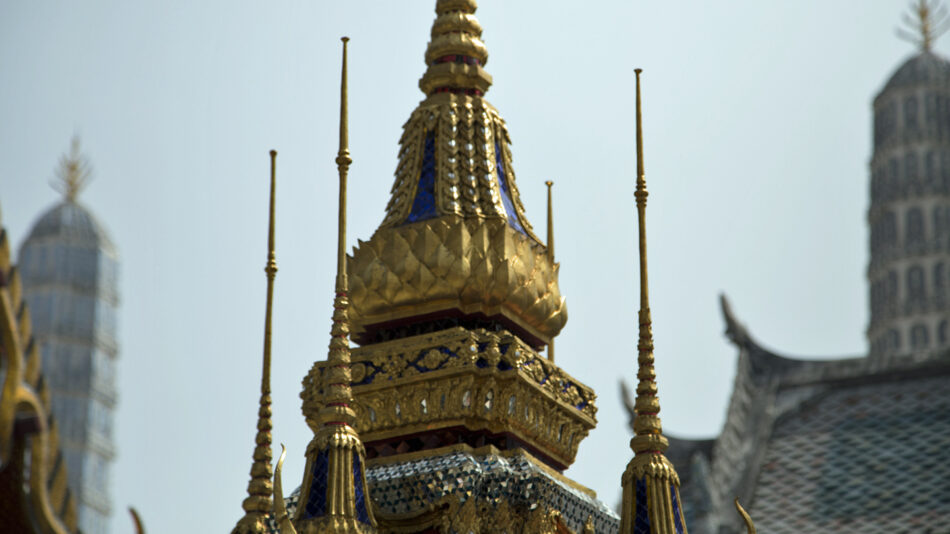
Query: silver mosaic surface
x,y
404,487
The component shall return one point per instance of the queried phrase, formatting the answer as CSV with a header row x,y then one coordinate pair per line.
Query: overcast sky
x,y
757,120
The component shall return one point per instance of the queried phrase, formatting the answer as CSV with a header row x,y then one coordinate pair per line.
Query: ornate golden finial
x,y
334,493
931,22
258,503
456,54
73,172
651,501
550,249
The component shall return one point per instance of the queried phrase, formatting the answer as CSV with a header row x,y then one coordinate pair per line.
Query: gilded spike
x,y
550,249
334,488
258,504
651,502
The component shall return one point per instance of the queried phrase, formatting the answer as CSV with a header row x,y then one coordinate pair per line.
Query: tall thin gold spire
x,y
334,489
258,503
550,249
929,21
73,172
651,503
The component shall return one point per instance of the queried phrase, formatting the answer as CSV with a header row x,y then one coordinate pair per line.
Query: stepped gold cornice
x,y
456,54
458,377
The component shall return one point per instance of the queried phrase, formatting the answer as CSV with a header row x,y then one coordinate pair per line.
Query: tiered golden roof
x,y
455,239
454,294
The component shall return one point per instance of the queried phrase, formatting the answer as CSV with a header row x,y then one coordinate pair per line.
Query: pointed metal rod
x,y
343,161
641,196
550,250
271,270
259,489
649,438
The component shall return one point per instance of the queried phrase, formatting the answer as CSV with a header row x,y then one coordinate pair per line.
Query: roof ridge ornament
x,y
258,504
931,22
651,500
73,173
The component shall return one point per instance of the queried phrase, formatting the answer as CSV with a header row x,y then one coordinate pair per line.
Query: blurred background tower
x,y
69,267
910,199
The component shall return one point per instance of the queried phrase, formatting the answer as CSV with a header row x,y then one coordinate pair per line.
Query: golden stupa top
x,y
455,157
455,239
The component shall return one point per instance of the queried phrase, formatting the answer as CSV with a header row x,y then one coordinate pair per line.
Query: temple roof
x,y
809,445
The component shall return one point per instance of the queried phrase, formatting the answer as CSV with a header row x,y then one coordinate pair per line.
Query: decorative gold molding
x,y
459,377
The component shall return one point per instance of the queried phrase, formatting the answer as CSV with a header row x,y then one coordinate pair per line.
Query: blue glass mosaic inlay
x,y
641,522
505,194
361,512
677,517
317,500
423,206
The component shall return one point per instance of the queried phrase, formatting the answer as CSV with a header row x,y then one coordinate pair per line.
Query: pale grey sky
x,y
757,124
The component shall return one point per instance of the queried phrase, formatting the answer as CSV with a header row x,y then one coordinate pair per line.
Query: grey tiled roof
x,y
868,457
837,445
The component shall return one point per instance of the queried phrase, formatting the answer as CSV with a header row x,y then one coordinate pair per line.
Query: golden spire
x,y
550,250
931,22
456,54
651,502
258,503
334,493
73,172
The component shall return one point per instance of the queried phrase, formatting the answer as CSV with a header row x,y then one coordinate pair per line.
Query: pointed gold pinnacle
x,y
650,483
258,503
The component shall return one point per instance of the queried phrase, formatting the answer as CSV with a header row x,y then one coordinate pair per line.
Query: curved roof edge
x,y
764,361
